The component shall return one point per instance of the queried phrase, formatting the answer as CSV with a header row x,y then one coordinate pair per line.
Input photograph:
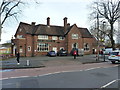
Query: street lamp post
x,y
103,37
98,46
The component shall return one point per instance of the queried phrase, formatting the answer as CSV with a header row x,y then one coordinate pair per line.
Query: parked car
x,y
80,52
107,51
114,56
62,53
51,53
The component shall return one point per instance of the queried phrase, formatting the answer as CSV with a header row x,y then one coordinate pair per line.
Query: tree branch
x,y
109,10
7,14
3,9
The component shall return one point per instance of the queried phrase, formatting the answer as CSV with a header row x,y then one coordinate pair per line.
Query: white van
x,y
114,56
80,52
107,51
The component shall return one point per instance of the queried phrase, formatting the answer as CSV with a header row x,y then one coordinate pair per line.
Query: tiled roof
x,y
42,29
85,33
50,30
26,27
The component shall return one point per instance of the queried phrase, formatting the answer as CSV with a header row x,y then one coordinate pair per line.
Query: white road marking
x,y
75,70
3,78
57,72
106,85
91,68
20,77
14,77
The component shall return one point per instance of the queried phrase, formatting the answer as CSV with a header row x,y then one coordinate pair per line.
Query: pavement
x,y
45,61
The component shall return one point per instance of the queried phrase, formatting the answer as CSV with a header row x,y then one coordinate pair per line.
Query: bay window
x,y
43,47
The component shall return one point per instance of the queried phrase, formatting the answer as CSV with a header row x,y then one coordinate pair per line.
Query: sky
x,y
77,12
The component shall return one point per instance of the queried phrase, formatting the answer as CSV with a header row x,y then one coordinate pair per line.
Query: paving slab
x,y
45,61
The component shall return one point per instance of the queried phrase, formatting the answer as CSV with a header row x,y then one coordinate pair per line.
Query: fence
x,y
6,56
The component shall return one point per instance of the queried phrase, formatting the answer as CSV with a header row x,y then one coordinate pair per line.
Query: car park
x,y
51,53
114,56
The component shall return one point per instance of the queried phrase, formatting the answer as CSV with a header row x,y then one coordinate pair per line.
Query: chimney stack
x,y
68,25
33,23
65,24
48,21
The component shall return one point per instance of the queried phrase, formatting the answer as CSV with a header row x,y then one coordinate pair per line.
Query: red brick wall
x,y
29,43
30,40
71,41
20,44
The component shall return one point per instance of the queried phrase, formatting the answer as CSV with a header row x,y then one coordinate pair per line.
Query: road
x,y
102,75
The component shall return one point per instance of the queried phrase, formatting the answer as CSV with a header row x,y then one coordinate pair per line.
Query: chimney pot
x,y
68,24
65,18
48,21
33,23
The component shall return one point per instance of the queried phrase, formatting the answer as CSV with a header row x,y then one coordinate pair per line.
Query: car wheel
x,y
113,62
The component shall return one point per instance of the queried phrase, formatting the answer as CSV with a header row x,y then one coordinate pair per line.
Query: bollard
x,y
28,62
104,57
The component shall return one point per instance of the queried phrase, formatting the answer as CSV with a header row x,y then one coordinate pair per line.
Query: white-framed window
x,y
61,38
61,48
74,36
75,45
43,47
54,49
29,48
19,36
86,47
43,37
54,37
20,50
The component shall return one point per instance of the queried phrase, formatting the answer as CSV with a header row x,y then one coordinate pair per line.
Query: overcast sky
x,y
77,11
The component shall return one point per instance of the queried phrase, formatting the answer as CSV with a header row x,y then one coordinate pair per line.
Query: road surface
x,y
97,75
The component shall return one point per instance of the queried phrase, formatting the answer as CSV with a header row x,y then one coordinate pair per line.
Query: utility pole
x,y
98,47
103,38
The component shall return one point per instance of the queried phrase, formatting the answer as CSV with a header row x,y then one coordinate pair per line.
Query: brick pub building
x,y
35,40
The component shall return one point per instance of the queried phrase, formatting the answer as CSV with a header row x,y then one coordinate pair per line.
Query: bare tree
x,y
109,10
10,8
118,33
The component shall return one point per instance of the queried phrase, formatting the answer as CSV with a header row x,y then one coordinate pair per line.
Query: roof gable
x,y
85,33
69,29
20,29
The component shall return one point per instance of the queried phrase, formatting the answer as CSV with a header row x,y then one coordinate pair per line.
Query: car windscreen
x,y
114,53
